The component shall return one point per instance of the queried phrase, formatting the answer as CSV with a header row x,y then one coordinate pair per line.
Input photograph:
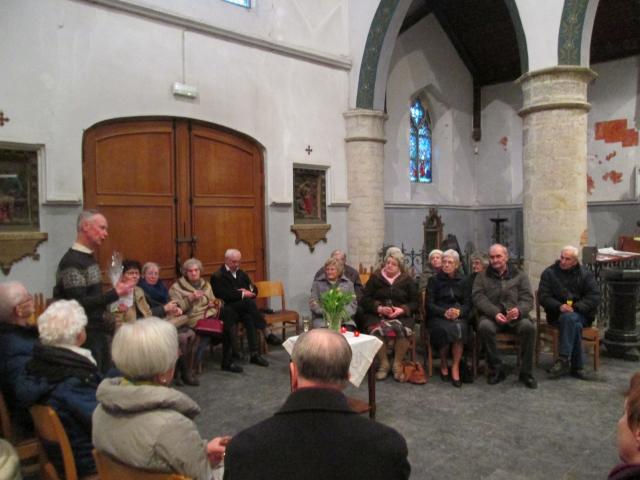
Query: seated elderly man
x,y
322,436
570,297
16,346
502,296
64,376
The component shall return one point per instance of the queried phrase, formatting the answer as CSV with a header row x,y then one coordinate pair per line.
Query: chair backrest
x,y
40,304
536,297
267,289
6,429
364,278
111,469
50,429
422,306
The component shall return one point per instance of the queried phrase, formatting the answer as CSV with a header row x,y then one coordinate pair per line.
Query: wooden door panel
x,y
129,176
137,163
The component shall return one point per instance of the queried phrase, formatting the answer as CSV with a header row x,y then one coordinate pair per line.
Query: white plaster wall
x,y
425,60
499,158
69,64
541,24
613,96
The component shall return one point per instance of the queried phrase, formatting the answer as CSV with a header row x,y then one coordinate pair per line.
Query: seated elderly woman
x,y
448,307
64,376
331,278
432,268
629,434
479,263
140,419
195,298
155,290
389,302
142,306
17,339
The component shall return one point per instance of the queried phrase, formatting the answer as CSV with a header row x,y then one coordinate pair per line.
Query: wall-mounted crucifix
x,y
308,149
3,119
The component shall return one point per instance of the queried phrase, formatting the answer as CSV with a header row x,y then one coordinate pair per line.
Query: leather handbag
x,y
211,324
414,372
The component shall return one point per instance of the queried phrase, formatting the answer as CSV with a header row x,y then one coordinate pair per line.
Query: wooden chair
x,y
507,342
364,278
50,429
111,469
288,318
550,334
28,449
39,305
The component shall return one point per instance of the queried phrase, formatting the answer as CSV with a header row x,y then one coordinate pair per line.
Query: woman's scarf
x,y
158,292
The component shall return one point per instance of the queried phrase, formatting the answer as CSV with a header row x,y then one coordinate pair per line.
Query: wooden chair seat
x,y
112,469
506,342
286,318
50,429
28,449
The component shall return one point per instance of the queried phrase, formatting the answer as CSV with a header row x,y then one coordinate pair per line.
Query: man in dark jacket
x,y
238,292
570,296
502,296
322,437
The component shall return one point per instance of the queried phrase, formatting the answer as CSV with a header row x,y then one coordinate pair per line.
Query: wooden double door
x,y
172,189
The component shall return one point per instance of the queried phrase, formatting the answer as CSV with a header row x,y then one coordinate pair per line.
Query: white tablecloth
x,y
363,348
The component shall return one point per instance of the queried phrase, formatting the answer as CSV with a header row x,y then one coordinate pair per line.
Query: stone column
x,y
554,150
365,141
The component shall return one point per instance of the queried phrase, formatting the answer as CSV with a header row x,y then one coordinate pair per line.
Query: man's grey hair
x,y
574,251
61,323
340,255
231,252
192,262
322,356
453,254
504,249
12,294
145,348
85,216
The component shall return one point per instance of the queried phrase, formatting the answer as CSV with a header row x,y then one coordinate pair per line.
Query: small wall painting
x,y
18,190
309,196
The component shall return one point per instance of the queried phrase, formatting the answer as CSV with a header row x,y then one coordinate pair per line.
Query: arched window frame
x,y
420,143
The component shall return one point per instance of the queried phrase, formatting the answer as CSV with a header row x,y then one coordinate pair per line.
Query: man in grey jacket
x,y
502,296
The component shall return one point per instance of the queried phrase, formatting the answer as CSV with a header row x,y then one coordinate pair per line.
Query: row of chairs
x,y
49,429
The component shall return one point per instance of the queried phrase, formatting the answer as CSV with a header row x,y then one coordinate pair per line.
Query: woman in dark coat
x,y
448,307
65,377
390,301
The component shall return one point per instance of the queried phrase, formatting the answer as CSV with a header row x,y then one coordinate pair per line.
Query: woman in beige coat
x,y
142,421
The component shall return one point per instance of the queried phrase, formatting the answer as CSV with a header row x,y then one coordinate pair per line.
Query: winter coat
x,y
321,285
577,284
448,292
402,293
493,294
150,427
195,310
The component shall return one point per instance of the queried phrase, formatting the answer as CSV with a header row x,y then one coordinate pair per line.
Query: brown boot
x,y
399,351
383,365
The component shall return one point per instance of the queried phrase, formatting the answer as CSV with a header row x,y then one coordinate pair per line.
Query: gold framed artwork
x,y
310,206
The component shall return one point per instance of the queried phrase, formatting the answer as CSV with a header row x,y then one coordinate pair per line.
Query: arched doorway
x,y
172,189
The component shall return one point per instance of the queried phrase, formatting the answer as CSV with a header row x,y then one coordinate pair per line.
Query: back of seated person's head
x,y
12,294
629,424
322,356
61,323
145,348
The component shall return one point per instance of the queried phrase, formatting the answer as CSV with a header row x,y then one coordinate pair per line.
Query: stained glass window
x,y
419,144
242,3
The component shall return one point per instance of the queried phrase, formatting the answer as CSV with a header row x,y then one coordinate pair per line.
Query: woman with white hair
x,y
448,307
390,300
64,376
430,269
141,420
194,295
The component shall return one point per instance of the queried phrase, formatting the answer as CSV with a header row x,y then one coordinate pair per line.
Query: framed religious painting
x,y
309,196
19,203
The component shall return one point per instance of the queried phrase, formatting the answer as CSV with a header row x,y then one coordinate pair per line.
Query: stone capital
x,y
364,125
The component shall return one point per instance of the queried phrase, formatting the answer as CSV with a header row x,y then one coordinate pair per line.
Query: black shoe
x,y
273,340
496,377
579,374
258,359
560,368
232,367
445,377
528,380
456,383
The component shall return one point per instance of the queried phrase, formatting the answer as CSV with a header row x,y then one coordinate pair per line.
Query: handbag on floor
x,y
414,372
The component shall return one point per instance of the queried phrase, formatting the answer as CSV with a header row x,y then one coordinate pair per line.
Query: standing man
x,y
78,278
569,294
502,295
237,291
322,437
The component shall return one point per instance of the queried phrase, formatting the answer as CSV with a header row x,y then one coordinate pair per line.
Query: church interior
x,y
291,128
